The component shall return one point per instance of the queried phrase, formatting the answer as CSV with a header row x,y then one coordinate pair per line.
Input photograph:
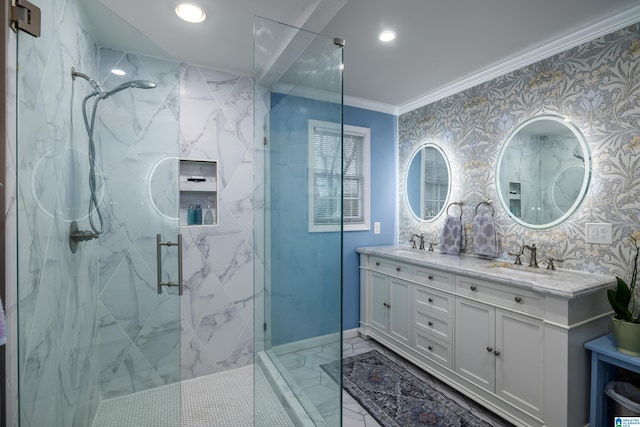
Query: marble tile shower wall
x,y
57,291
597,85
137,142
216,123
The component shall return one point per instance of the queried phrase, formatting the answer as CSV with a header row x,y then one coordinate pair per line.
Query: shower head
x,y
103,94
136,84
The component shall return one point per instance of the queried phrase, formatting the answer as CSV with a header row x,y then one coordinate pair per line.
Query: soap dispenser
x,y
208,217
191,214
198,214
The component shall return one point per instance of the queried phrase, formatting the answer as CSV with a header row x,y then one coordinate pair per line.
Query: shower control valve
x,y
77,236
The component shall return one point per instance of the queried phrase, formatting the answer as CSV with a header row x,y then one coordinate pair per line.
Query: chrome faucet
x,y
419,236
533,260
551,265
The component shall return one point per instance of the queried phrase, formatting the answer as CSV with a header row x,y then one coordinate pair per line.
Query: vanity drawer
x,y
434,301
391,268
429,276
521,300
433,348
434,325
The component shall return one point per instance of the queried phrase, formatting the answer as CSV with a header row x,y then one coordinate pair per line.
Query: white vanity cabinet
x,y
390,297
515,347
500,351
432,308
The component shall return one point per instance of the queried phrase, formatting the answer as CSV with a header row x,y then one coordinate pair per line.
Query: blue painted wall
x,y
305,266
384,200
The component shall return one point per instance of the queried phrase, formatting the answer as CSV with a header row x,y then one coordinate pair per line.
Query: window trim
x,y
366,172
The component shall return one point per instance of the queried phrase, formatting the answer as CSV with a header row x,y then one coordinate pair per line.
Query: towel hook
x,y
485,202
455,203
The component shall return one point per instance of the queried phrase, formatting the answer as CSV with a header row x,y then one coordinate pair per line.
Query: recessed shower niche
x,y
198,192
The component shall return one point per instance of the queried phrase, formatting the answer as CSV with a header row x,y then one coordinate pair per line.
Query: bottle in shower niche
x,y
198,214
208,216
191,214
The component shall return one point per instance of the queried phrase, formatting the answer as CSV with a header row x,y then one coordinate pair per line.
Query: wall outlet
x,y
598,233
376,228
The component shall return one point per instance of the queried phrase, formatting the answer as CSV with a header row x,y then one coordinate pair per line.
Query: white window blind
x,y
330,168
436,183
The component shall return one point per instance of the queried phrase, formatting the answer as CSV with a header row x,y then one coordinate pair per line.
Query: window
x,y
328,169
435,187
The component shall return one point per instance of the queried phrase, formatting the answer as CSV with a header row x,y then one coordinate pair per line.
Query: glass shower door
x,y
97,343
298,181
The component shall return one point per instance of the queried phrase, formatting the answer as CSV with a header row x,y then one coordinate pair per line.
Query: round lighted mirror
x,y
428,182
543,172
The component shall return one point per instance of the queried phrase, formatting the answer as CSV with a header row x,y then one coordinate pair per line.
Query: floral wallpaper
x,y
597,86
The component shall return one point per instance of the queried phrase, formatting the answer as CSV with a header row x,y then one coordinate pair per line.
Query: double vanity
x,y
508,336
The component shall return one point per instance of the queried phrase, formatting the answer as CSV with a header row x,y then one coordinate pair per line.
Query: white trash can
x,y
626,397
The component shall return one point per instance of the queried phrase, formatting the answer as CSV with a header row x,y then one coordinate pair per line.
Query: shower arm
x,y
98,90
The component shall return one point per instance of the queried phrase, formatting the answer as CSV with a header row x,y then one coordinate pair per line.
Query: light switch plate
x,y
598,233
376,228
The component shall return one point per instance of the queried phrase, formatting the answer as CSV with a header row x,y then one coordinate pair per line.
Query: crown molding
x,y
599,29
366,104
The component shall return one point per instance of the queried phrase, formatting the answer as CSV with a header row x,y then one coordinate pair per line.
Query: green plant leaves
x,y
619,299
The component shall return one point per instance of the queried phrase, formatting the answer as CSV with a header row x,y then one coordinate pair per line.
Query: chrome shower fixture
x,y
103,94
94,84
76,235
134,84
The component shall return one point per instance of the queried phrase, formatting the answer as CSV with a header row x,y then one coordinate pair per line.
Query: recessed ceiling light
x,y
387,36
118,72
190,12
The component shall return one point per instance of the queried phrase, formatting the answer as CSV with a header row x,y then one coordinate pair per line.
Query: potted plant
x,y
626,320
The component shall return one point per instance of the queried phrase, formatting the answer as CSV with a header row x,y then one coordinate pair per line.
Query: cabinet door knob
x,y
430,323
385,304
430,277
377,263
489,349
430,347
497,353
430,299
518,299
473,288
397,268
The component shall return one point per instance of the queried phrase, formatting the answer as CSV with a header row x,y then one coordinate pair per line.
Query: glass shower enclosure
x,y
298,187
102,339
93,324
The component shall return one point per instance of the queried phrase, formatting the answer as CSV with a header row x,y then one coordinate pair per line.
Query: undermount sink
x,y
515,268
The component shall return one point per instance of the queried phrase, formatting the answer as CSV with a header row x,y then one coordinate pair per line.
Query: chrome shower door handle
x,y
159,245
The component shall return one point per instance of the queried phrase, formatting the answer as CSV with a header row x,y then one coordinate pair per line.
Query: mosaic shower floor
x,y
223,399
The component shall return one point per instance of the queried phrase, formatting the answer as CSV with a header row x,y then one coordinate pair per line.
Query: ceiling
x,y
443,46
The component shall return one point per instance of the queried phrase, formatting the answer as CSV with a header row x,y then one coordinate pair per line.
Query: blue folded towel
x,y
452,240
485,242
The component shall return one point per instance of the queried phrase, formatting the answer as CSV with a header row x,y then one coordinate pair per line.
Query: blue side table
x,y
604,359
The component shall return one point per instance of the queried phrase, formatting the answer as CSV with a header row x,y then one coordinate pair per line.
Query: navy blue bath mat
x,y
397,398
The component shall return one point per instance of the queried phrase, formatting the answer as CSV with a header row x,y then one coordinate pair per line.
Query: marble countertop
x,y
559,282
